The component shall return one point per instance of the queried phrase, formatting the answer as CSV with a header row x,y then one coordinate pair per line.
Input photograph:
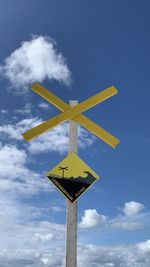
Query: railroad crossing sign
x,y
74,113
73,185
72,176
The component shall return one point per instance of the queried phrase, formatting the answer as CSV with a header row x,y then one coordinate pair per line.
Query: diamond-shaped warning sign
x,y
72,176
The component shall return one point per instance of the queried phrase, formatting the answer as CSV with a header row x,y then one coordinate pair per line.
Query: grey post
x,y
71,240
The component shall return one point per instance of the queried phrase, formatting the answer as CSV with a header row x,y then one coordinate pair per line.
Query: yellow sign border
x,y
74,156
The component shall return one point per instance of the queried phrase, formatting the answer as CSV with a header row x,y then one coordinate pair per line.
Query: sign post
x,y
71,240
80,177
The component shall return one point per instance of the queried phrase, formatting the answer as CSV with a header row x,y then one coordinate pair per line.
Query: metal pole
x,y
71,240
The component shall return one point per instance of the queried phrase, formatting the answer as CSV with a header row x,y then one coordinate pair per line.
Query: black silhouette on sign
x,y
63,170
73,187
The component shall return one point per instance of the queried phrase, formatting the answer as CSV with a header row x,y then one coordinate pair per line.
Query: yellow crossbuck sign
x,y
73,113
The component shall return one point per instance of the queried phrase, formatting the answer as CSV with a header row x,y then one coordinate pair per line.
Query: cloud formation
x,y
127,223
23,228
35,61
55,140
88,255
112,256
92,219
132,208
44,105
15,176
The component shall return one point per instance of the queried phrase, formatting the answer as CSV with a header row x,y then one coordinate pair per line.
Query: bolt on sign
x,y
72,176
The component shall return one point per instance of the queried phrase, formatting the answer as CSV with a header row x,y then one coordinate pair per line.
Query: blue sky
x,y
75,49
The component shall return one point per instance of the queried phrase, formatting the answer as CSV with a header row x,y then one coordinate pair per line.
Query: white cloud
x,y
26,110
57,209
132,219
15,176
22,230
11,155
44,105
31,257
119,255
3,111
22,225
125,223
43,237
132,208
88,255
35,61
14,131
92,218
55,140
144,246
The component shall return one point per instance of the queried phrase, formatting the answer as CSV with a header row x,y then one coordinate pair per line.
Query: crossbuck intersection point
x,y
73,113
